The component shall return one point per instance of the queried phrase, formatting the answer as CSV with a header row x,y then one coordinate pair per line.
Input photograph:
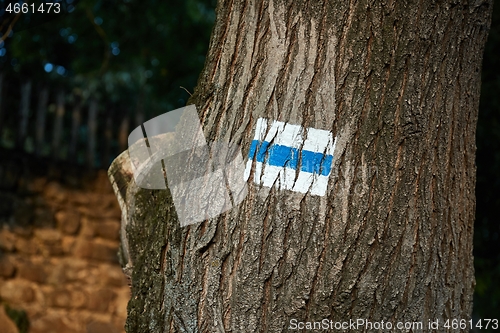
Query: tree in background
x,y
115,62
398,85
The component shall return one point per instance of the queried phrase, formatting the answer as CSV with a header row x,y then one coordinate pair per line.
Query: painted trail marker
x,y
291,157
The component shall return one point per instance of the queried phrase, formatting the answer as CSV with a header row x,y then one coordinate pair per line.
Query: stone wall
x,y
58,249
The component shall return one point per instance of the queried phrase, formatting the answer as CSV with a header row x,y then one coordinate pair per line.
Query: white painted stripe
x,y
294,136
287,178
284,179
276,128
248,168
260,129
258,172
330,148
291,136
270,174
303,183
260,132
319,185
317,140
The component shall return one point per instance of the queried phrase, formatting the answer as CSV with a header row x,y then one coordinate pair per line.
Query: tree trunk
x,y
2,113
92,130
123,133
397,84
41,113
24,113
108,137
75,126
58,124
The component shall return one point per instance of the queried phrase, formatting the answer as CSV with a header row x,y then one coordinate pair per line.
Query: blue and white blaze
x,y
291,157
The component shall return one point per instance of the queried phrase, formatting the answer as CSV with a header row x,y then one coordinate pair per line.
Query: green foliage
x,y
130,55
19,317
117,50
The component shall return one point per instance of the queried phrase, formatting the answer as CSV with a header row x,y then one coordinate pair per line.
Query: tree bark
x,y
91,133
76,116
2,113
58,124
108,137
398,84
41,113
123,133
24,112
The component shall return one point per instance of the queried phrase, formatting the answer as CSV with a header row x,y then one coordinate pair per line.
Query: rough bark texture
x,y
398,84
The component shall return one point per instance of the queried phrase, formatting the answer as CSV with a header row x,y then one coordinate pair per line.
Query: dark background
x,y
487,224
132,58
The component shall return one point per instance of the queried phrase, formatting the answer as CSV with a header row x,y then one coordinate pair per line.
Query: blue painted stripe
x,y
284,156
261,154
253,148
316,162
